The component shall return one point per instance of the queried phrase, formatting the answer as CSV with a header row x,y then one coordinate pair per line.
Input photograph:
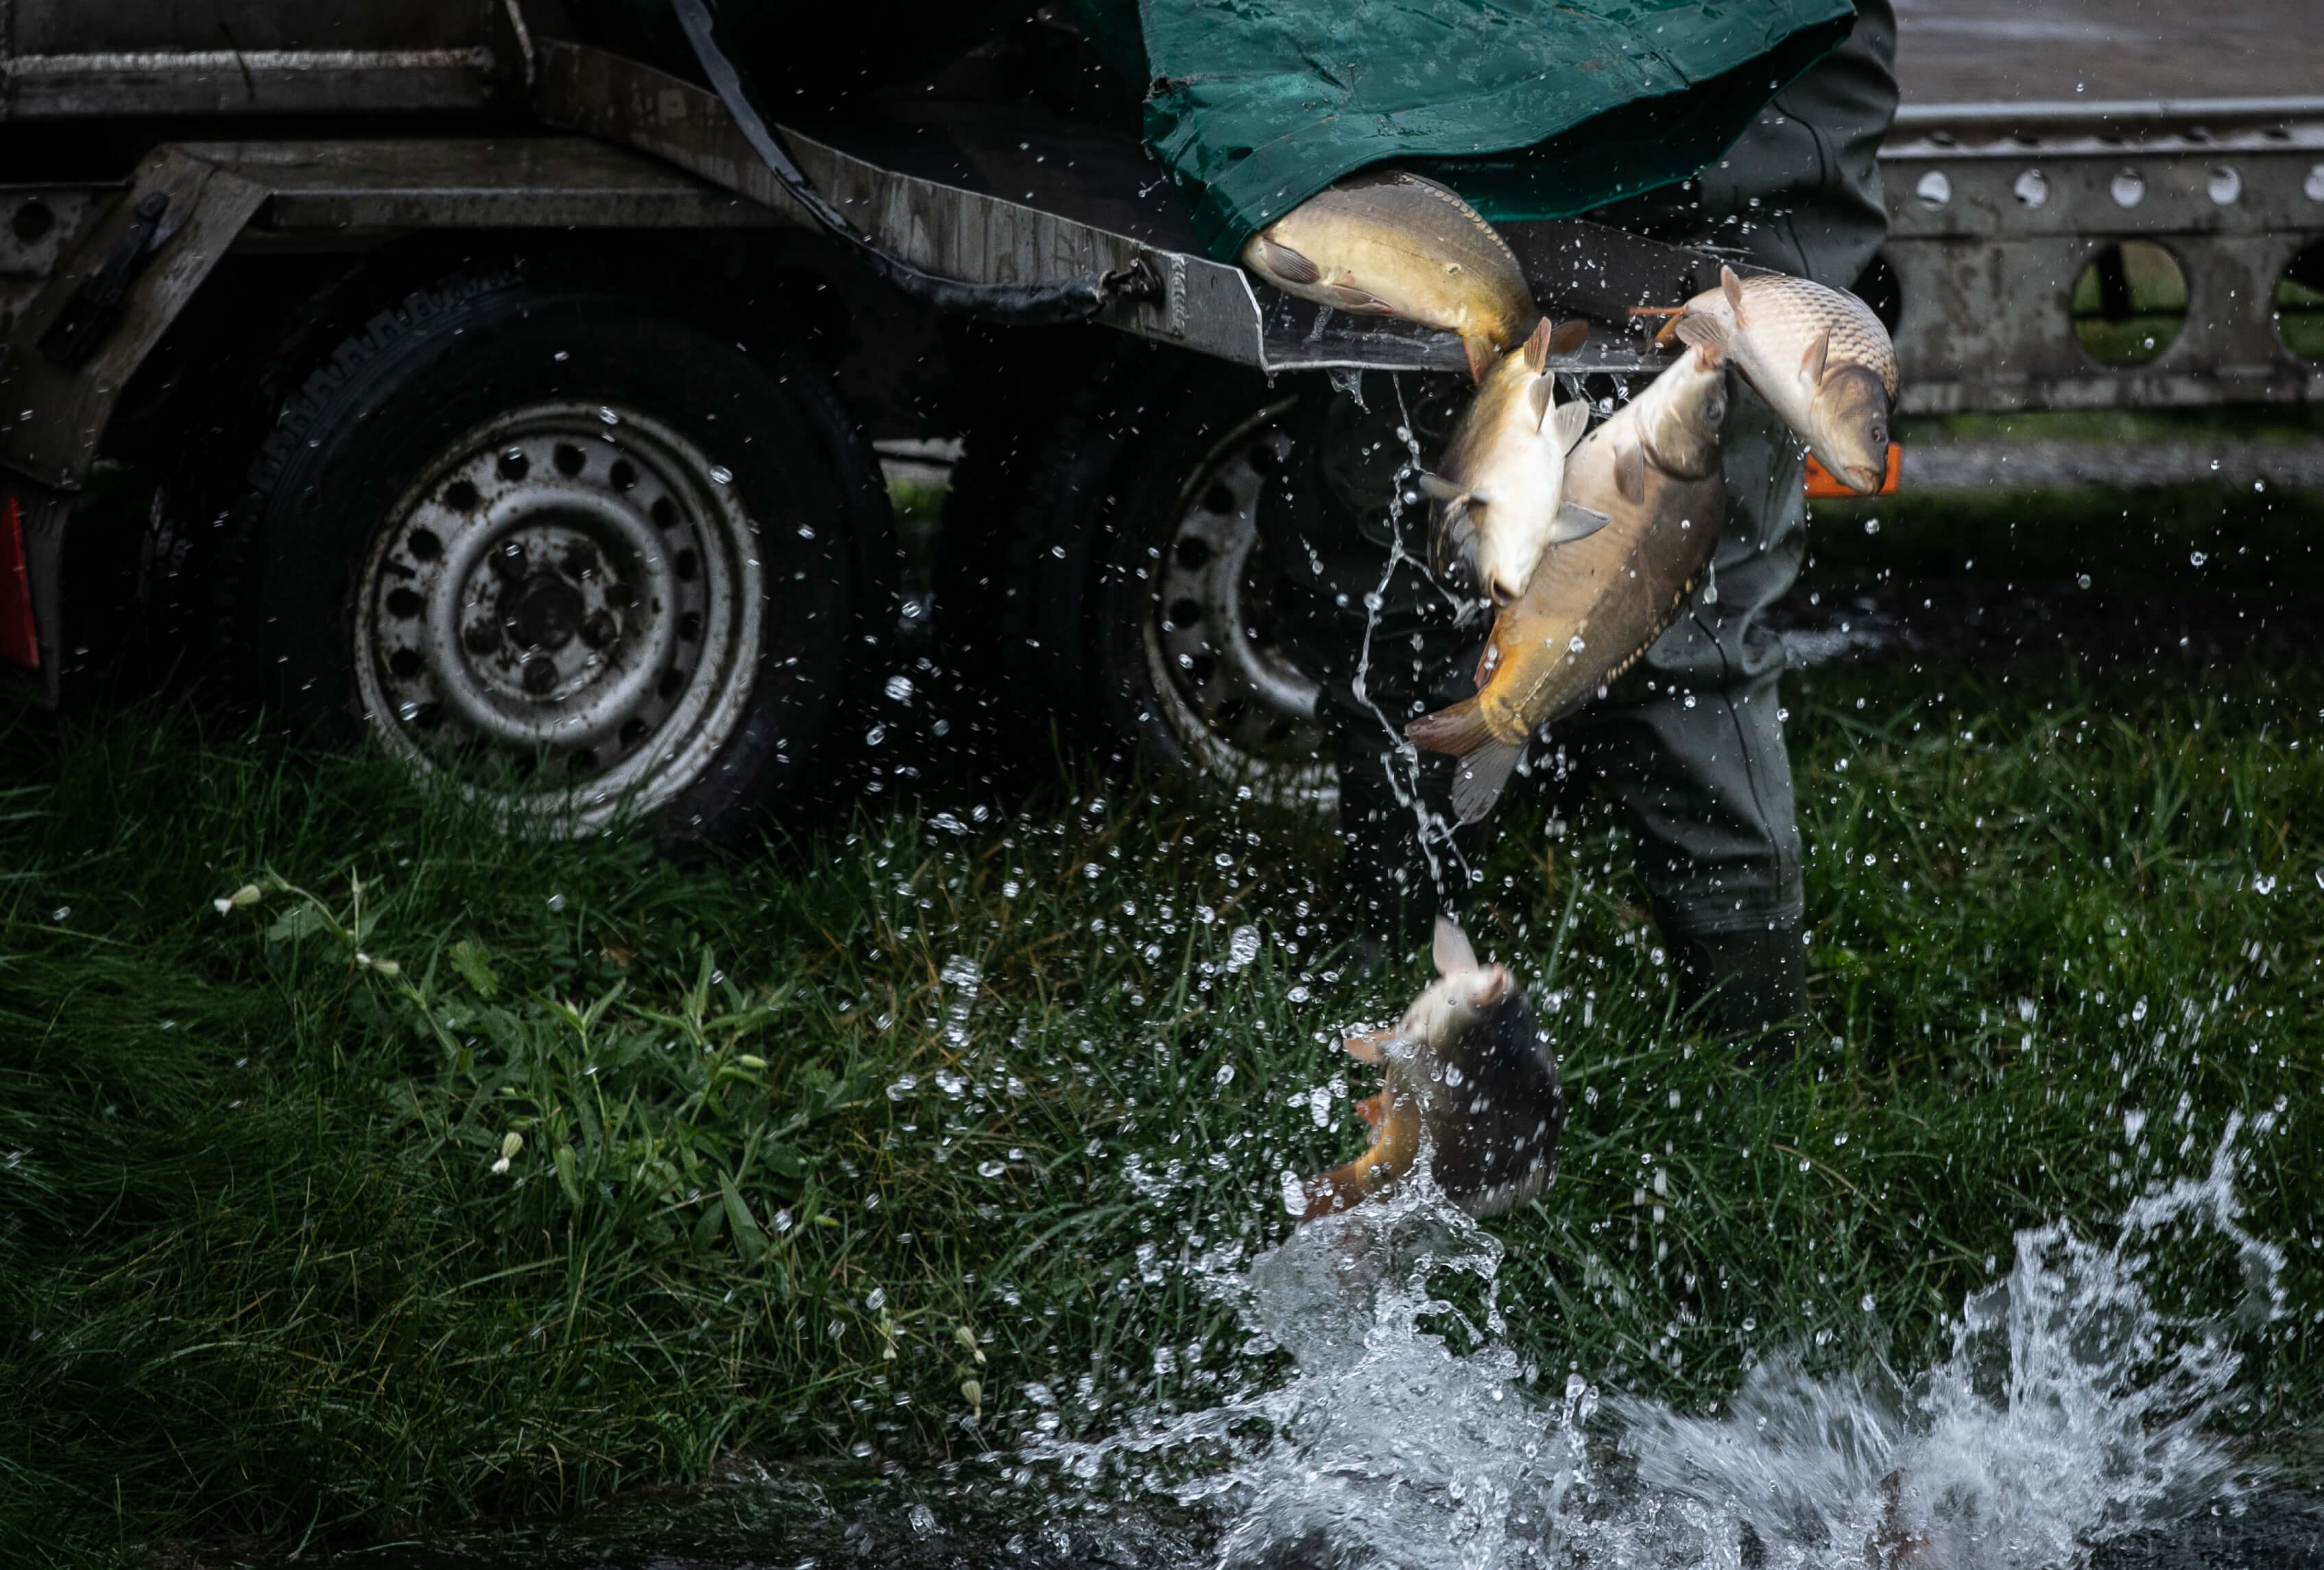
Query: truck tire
x,y
570,546
1135,607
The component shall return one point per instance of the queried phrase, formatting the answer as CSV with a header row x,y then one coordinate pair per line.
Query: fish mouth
x,y
1863,477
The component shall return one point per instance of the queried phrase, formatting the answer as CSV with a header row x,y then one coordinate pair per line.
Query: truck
x,y
450,374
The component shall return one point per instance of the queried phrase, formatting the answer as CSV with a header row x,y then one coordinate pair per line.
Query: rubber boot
x,y
1751,984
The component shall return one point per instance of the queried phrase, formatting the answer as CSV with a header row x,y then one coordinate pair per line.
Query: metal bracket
x,y
53,414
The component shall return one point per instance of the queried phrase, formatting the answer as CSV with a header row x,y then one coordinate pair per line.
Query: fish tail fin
x,y
1483,353
1707,335
1483,775
1459,730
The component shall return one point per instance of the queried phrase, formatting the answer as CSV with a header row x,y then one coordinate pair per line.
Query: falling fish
x,y
1500,489
1385,243
1471,1083
1818,355
1595,606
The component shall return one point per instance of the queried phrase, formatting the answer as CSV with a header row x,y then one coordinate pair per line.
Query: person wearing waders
x,y
1751,126
1689,741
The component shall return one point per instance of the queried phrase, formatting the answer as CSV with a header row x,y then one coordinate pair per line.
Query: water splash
x,y
2068,1412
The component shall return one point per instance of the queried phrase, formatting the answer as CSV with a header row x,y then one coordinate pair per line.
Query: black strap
x,y
1021,304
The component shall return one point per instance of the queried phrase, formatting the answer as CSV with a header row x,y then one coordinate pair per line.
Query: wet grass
x,y
844,1143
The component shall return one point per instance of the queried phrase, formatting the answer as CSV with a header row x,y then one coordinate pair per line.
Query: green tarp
x,y
1530,108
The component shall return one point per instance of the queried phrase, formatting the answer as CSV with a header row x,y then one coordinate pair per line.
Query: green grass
x,y
789,1178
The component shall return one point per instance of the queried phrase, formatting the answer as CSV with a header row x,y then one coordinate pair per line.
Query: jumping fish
x,y
1385,243
1471,1082
1818,355
1499,492
1595,606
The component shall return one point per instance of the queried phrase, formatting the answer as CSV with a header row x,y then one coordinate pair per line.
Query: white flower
x,y
240,899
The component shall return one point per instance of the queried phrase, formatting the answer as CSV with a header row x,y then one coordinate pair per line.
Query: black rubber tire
x,y
368,416
1060,613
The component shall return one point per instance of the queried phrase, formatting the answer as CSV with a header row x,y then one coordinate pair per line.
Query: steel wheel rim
x,y
562,614
1234,701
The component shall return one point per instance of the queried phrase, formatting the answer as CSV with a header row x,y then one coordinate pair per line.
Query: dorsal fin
x,y
1813,362
1566,426
1732,287
1630,472
1536,347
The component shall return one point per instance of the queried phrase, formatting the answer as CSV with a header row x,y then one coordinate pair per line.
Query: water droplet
x,y
557,902
1298,994
923,1520
2196,558
900,689
902,1085
1010,889
720,474
1226,1074
989,1169
61,912
2025,1009
1242,947
2264,884
876,1299
608,416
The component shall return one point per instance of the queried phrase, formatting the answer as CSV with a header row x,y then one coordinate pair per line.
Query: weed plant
x,y
447,1173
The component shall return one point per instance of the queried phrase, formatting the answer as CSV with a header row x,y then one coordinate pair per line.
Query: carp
x,y
1471,1084
1385,243
1498,494
1595,606
1818,355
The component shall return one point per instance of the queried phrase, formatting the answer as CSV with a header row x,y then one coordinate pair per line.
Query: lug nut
x,y
481,637
539,676
508,560
597,629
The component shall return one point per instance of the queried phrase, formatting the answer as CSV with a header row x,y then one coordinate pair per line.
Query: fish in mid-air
x,y
1386,242
1470,1085
1595,606
1818,355
1498,488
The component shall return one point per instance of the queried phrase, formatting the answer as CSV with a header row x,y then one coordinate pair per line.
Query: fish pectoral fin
x,y
1630,472
1812,362
1568,339
1275,257
1536,347
1707,334
1566,426
1541,395
1732,287
1360,302
1482,354
1574,522
1437,488
1450,948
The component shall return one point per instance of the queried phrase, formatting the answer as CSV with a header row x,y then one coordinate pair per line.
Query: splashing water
x,y
2068,1412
